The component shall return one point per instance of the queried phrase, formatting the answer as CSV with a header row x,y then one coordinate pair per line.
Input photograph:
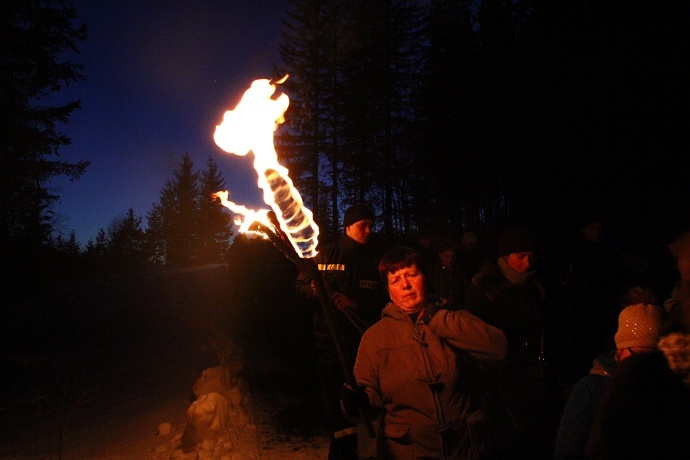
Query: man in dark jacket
x,y
350,270
508,294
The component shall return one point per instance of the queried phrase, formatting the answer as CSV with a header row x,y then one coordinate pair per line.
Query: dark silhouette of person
x,y
349,267
645,410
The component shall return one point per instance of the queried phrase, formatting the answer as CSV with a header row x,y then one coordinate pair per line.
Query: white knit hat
x,y
638,326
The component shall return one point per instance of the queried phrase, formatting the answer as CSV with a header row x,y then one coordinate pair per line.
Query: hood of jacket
x,y
604,364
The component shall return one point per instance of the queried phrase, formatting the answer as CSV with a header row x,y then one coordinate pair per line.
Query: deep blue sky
x,y
161,75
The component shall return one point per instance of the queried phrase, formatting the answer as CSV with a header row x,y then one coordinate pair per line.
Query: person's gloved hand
x,y
353,399
429,311
341,301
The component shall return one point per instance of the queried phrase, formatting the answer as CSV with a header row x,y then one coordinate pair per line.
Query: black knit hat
x,y
357,212
518,238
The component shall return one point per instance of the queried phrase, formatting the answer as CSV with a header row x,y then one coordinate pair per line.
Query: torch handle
x,y
309,267
323,293
357,321
329,314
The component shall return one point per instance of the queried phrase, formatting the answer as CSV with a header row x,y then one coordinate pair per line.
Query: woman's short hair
x,y
398,258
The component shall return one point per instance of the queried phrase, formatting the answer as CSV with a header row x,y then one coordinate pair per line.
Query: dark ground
x,y
91,370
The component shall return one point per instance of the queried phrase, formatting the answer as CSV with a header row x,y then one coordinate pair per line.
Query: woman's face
x,y
521,262
406,288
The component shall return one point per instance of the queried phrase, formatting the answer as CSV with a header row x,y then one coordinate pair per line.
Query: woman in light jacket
x,y
417,368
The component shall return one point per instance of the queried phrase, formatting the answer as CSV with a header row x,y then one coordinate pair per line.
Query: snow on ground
x,y
110,371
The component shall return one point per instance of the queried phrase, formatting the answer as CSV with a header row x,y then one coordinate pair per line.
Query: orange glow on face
x,y
521,262
406,288
250,126
360,231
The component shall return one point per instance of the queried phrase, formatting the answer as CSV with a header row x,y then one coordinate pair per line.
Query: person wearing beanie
x,y
638,331
358,212
507,293
645,410
517,239
349,267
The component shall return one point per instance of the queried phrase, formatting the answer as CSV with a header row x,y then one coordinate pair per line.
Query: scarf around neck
x,y
513,276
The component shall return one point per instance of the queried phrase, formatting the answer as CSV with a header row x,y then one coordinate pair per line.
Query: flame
x,y
250,126
248,215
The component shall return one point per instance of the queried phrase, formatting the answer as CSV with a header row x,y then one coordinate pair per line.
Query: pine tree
x,y
35,36
95,252
126,242
354,69
68,246
445,178
174,221
215,223
155,242
381,79
101,242
308,139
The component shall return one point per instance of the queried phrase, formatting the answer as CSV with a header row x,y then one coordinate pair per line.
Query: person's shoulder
x,y
582,388
378,329
642,369
378,244
326,249
488,267
591,385
489,276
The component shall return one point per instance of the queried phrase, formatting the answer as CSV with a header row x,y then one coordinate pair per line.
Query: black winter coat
x,y
514,308
352,269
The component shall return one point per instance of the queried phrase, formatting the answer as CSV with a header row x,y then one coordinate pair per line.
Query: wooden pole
x,y
309,267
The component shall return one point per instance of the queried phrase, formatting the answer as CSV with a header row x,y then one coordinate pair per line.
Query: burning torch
x,y
250,126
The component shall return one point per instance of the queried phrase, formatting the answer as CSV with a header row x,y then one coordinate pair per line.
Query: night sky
x,y
161,75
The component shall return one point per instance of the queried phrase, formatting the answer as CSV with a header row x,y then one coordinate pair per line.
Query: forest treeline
x,y
453,113
442,114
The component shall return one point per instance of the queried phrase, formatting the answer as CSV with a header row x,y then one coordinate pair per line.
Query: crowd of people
x,y
522,347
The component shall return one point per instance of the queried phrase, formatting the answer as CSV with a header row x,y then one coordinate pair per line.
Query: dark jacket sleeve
x,y
573,431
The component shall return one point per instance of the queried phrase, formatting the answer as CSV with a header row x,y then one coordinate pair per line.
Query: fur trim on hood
x,y
676,348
